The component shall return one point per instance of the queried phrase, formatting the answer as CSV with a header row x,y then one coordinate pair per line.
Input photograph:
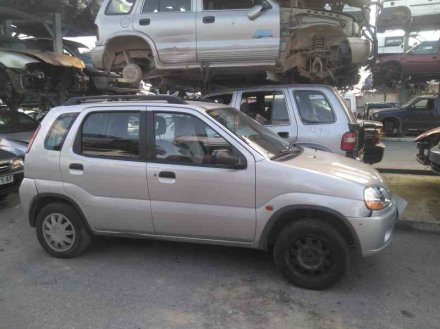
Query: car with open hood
x,y
11,173
16,130
157,167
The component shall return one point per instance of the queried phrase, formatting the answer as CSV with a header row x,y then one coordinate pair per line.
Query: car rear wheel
x,y
391,127
61,231
311,254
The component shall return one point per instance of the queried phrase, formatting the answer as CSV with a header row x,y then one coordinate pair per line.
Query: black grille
x,y
5,166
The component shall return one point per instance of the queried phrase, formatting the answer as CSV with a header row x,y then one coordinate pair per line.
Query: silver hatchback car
x,y
158,167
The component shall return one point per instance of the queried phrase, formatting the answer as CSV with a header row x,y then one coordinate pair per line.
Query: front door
x,y
191,195
422,115
225,33
170,24
424,58
105,170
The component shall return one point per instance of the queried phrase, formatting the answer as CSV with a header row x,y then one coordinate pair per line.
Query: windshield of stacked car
x,y
16,122
261,139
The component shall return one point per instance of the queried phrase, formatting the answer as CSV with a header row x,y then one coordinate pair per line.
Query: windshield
x,y
15,122
261,139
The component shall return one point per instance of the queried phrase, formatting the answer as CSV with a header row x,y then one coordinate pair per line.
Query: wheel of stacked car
x,y
311,254
3,197
61,231
391,127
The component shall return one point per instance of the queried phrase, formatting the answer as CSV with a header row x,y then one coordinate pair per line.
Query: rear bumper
x,y
9,188
375,233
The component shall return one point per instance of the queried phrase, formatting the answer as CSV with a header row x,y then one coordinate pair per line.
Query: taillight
x,y
34,135
348,142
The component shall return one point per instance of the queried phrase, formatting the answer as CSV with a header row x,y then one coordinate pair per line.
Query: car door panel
x,y
229,35
207,202
113,193
174,44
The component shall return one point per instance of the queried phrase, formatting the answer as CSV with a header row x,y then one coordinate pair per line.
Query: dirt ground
x,y
422,194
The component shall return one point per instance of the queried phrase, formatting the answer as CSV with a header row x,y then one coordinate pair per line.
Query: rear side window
x,y
57,134
160,6
313,107
113,135
119,7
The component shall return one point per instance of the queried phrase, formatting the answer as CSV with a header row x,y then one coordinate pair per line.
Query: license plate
x,y
6,180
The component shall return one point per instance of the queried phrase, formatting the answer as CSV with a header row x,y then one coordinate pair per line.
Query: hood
x,y
10,55
23,137
435,131
337,166
6,156
387,110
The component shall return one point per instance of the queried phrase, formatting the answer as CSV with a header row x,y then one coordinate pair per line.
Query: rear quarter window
x,y
57,134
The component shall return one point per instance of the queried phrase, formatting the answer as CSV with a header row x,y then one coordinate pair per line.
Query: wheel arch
x,y
120,42
290,214
42,200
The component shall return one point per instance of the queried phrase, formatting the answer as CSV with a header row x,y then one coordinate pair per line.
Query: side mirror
x,y
258,10
226,157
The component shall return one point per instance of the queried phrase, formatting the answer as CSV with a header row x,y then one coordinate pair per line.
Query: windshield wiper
x,y
293,150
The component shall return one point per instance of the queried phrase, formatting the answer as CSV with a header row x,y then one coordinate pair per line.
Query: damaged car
x,y
47,76
215,41
428,145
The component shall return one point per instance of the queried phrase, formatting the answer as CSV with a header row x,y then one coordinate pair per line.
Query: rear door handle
x,y
76,166
209,19
144,21
283,134
167,174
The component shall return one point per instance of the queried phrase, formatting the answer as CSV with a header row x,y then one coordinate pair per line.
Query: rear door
x,y
105,170
225,33
269,107
170,24
191,195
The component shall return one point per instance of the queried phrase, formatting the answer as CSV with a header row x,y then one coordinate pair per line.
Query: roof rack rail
x,y
115,98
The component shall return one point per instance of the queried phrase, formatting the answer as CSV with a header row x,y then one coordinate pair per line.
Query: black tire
x,y
76,230
391,127
3,197
311,254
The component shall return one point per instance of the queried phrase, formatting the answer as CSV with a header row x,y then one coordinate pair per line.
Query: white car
x,y
415,14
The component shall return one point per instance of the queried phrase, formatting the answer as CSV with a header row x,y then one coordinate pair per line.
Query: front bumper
x,y
9,188
375,233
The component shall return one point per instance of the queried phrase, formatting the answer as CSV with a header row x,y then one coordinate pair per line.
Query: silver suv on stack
x,y
158,167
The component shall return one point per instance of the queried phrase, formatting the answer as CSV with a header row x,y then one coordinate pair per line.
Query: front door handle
x,y
167,174
76,166
209,19
144,21
283,134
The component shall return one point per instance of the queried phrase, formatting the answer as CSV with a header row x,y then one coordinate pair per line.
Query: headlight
x,y
17,164
376,198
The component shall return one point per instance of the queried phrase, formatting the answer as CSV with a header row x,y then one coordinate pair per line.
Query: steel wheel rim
x,y
310,256
58,232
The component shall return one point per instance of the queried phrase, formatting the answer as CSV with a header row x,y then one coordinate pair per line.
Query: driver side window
x,y
424,105
185,139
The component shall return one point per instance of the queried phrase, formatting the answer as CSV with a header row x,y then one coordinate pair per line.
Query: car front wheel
x,y
61,231
311,254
